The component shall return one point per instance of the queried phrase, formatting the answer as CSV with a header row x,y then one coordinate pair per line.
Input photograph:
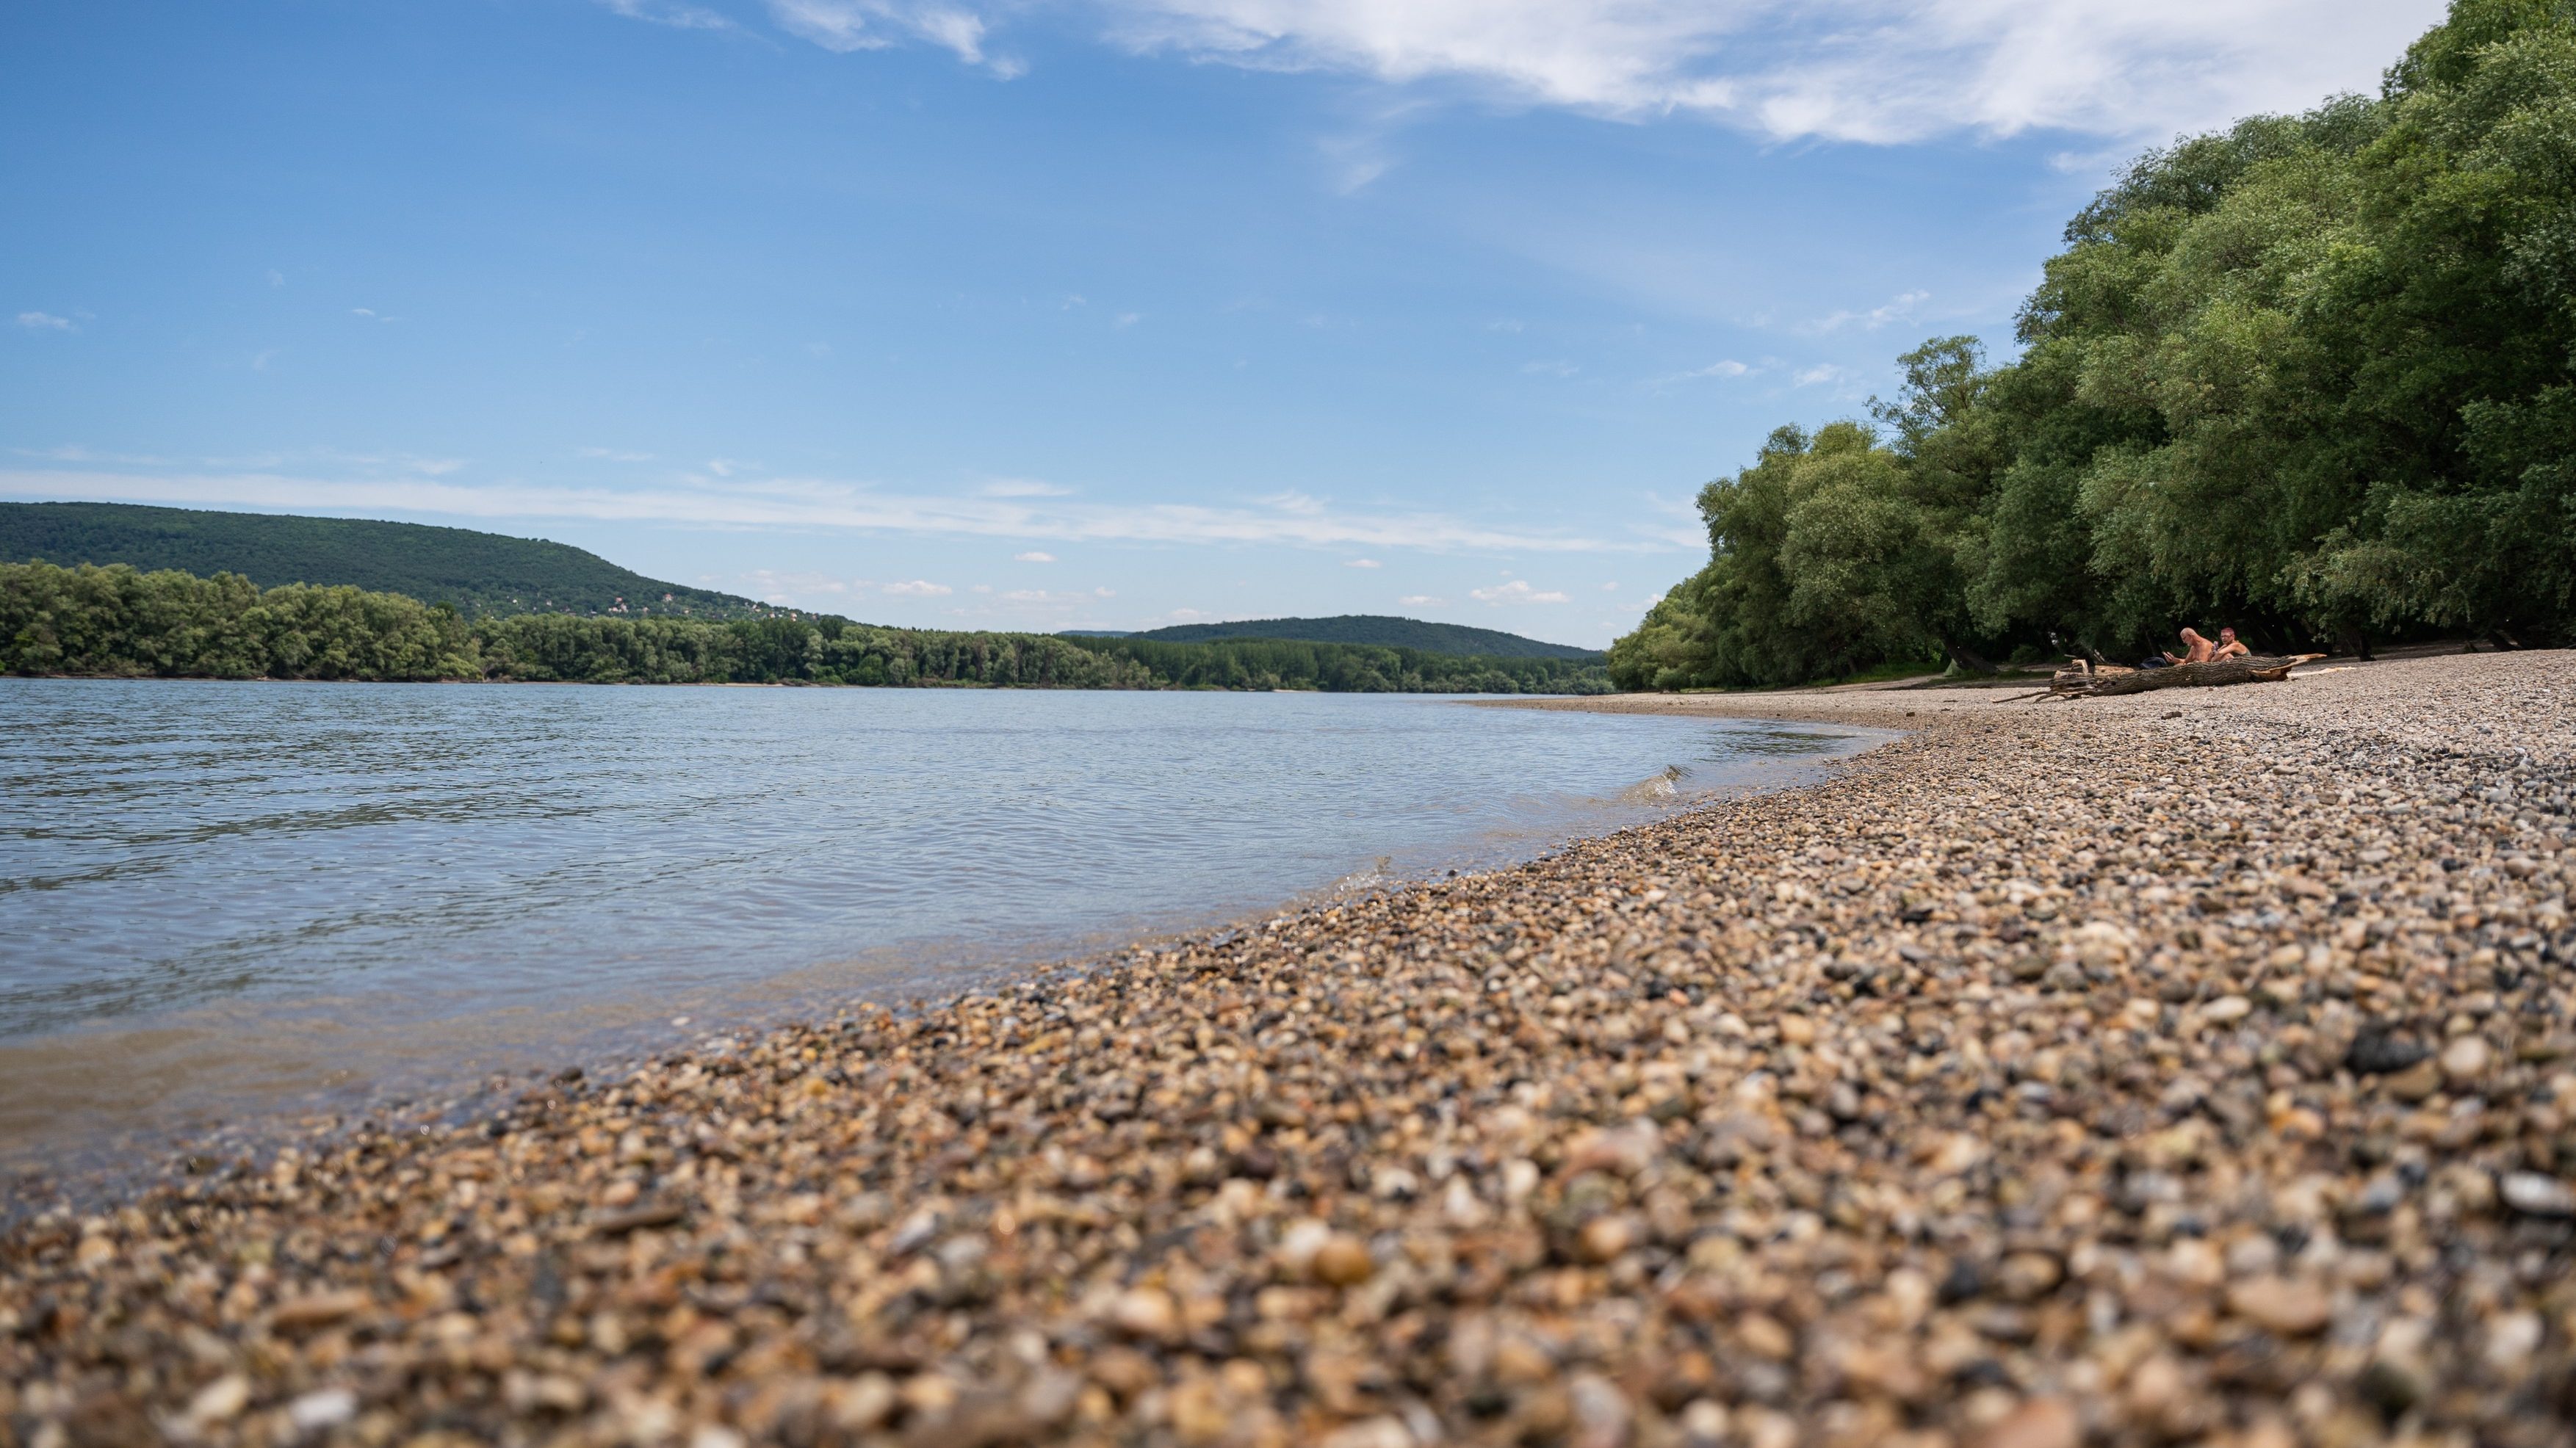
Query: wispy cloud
x,y
276,278
678,17
1420,600
1516,591
369,464
44,322
1359,563
74,453
1023,488
1552,367
1820,373
916,588
1899,309
616,455
852,25
1033,556
1727,368
1290,519
1849,70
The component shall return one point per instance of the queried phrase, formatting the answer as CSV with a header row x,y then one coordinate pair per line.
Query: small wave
x,y
1654,788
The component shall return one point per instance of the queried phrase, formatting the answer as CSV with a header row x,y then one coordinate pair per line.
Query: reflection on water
x,y
211,892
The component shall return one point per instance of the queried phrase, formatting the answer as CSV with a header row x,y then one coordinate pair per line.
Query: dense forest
x,y
1371,628
116,621
2314,377
480,574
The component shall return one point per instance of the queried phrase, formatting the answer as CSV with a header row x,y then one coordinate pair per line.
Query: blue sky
x,y
1026,315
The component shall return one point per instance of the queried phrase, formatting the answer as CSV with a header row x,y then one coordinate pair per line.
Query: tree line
x,y
2314,376
118,622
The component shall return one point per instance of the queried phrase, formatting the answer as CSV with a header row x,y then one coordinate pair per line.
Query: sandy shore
x,y
2163,1069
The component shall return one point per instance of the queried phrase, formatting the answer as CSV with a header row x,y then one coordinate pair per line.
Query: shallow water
x,y
215,897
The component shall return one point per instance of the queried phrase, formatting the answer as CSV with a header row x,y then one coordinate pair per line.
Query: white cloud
x,y
44,322
616,455
771,586
678,17
1898,310
1359,563
1821,372
1516,591
723,467
1024,488
1554,368
1033,556
851,25
75,453
276,278
1420,600
1128,319
917,588
1610,588
1727,368
1853,70
828,23
1286,519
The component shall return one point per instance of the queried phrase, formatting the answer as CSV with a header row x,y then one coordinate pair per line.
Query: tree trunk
x,y
1966,658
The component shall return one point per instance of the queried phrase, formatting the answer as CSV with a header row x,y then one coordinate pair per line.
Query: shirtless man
x,y
2196,650
2228,647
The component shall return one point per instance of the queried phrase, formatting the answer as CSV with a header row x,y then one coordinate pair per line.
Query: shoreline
x,y
230,1077
1995,1089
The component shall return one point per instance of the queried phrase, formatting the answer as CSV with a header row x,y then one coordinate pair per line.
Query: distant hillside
x,y
1381,630
483,574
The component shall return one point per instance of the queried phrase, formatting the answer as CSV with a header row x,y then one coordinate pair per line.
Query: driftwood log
x,y
2082,680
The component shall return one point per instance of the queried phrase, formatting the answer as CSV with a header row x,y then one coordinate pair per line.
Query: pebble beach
x,y
2190,1067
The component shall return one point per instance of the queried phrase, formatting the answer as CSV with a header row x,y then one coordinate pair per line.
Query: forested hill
x,y
482,574
1380,630
115,622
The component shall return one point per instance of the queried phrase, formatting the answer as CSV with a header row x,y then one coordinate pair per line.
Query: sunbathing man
x,y
2196,650
2228,646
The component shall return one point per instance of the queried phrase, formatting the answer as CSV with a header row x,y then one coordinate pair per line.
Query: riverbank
x,y
2143,1069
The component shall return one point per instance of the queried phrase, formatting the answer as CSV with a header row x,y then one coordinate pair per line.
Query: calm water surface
x,y
214,896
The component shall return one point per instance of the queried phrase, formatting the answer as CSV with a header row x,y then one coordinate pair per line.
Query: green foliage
x,y
482,574
1346,668
2308,376
1379,629
119,622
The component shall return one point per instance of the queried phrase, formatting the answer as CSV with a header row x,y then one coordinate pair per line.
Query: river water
x,y
219,900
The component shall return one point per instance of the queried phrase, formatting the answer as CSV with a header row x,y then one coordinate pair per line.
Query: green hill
x,y
1379,629
483,574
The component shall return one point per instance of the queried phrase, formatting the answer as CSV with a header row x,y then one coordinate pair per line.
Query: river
x,y
220,902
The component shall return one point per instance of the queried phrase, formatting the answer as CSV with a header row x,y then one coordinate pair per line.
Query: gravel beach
x,y
2191,1067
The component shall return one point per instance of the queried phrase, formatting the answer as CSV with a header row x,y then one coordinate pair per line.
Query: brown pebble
x,y
1146,1312
1343,1261
2038,1423
2286,1306
319,1310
